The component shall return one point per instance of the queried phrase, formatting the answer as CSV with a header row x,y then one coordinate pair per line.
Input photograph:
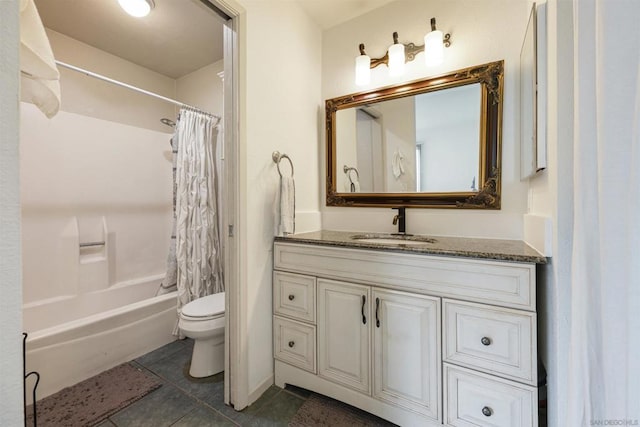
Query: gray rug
x,y
93,400
321,411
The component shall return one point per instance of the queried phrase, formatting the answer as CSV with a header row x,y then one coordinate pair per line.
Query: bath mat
x,y
93,400
322,411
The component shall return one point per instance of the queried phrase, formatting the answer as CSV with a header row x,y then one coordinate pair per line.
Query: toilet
x,y
203,321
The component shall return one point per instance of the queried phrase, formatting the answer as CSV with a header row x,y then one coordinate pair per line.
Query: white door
x,y
343,333
406,343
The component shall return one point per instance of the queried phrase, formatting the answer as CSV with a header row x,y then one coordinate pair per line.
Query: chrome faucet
x,y
400,220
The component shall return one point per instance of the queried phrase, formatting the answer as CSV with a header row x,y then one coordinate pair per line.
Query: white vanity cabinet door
x,y
343,333
406,347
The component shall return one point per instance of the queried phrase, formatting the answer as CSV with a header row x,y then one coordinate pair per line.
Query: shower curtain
x,y
600,378
198,264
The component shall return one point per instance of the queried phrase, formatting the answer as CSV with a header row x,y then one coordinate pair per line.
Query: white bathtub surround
x,y
197,237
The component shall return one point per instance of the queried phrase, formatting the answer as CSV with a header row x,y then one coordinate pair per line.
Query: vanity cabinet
x,y
394,335
415,339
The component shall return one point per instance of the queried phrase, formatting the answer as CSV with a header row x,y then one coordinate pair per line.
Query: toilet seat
x,y
204,308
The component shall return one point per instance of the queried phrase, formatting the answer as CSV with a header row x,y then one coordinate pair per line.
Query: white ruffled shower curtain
x,y
603,368
198,257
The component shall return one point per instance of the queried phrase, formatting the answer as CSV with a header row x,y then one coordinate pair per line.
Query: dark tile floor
x,y
183,401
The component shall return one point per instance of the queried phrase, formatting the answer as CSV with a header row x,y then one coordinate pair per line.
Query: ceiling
x,y
161,42
329,13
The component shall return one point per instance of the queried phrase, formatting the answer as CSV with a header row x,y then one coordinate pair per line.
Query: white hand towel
x,y
287,205
397,164
40,82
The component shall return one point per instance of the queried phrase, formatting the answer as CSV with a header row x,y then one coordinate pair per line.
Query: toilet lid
x,y
205,307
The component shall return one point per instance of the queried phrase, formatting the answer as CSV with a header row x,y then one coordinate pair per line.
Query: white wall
x,y
481,31
348,153
281,110
399,134
94,98
203,88
551,195
10,280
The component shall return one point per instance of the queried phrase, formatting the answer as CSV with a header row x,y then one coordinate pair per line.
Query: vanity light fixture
x,y
398,54
396,57
137,8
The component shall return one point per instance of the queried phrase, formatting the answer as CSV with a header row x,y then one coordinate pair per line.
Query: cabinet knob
x,y
485,341
291,297
486,411
291,344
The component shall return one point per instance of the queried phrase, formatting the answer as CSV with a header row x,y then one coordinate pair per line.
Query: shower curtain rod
x,y
131,87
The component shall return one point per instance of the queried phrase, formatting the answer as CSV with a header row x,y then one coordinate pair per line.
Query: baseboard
x,y
262,387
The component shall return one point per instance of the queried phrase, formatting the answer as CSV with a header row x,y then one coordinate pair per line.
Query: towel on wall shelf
x,y
40,78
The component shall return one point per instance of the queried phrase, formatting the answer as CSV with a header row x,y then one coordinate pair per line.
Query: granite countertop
x,y
496,249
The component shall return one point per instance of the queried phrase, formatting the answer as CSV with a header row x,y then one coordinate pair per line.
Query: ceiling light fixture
x,y
137,8
398,54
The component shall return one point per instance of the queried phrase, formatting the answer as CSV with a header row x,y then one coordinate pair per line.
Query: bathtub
x,y
74,338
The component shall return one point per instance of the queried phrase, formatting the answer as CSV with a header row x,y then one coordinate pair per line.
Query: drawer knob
x,y
486,411
291,344
291,297
485,341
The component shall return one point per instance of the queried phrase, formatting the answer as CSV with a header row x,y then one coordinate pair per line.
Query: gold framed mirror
x,y
433,143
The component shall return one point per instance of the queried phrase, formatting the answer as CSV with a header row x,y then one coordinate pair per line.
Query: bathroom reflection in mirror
x,y
428,143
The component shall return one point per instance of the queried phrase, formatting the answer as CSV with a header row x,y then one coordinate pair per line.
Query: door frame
x,y
236,359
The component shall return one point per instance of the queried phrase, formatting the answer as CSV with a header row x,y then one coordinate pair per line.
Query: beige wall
x,y
482,31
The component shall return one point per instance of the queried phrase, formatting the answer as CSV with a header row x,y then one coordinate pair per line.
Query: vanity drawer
x,y
491,339
294,295
476,399
295,343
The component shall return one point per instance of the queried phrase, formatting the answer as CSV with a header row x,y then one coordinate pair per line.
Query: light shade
x,y
363,70
137,8
396,59
433,48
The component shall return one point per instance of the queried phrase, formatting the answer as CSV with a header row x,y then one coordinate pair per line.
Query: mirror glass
x,y
430,143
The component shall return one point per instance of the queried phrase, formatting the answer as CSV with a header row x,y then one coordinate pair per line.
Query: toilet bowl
x,y
203,321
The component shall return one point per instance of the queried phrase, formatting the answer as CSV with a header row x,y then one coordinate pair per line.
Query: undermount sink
x,y
393,239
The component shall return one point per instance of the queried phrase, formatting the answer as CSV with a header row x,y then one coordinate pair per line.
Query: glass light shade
x,y
433,48
137,8
363,70
396,59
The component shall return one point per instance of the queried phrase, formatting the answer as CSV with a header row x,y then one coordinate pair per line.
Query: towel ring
x,y
347,170
276,156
